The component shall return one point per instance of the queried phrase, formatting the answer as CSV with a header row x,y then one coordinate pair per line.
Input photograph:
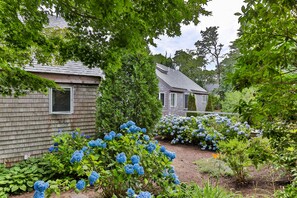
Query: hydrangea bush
x,y
205,131
122,163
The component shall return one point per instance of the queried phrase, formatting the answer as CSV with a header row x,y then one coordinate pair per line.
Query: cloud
x,y
222,16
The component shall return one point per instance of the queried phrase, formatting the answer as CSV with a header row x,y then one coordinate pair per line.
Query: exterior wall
x,y
179,109
26,127
200,104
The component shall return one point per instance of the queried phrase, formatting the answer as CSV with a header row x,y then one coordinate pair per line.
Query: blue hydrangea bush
x,y
124,163
205,131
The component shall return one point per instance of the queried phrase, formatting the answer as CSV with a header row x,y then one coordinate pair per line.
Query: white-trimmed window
x,y
61,101
162,98
173,98
186,97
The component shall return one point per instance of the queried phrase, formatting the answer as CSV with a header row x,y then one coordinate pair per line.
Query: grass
x,y
213,167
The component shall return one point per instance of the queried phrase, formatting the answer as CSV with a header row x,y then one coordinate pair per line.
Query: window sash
x,y
162,98
56,107
186,100
173,97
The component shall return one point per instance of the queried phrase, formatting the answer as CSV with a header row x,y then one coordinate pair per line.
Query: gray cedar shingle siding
x,y
26,127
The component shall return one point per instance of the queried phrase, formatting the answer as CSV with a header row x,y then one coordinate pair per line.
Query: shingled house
x,y
27,123
175,88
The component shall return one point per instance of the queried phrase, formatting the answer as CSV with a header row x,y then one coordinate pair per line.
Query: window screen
x,y
61,100
186,100
162,98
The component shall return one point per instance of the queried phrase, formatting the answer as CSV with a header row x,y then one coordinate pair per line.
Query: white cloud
x,y
222,16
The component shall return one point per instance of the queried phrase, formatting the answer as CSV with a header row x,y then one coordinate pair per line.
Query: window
x,y
173,100
61,101
162,98
186,100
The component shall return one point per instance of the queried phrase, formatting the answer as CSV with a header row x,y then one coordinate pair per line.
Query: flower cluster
x,y
80,185
40,187
97,143
93,177
171,174
150,147
131,193
130,127
121,158
77,156
204,131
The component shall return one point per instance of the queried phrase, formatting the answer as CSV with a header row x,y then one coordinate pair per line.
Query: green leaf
x,y
14,188
23,187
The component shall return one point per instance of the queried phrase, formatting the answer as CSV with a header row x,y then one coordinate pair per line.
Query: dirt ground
x,y
262,183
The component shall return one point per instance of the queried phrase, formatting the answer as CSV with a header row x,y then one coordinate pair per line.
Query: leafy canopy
x,y
99,33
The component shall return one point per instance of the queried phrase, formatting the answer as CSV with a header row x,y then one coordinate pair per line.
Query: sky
x,y
222,16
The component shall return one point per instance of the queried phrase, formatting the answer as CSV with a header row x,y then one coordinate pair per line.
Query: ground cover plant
x,y
205,131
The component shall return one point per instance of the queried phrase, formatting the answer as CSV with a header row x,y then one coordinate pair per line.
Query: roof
x,y
71,67
177,80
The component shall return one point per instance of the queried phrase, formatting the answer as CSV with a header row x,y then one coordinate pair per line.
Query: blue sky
x,y
222,16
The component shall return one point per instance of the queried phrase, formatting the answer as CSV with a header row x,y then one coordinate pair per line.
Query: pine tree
x,y
129,94
192,105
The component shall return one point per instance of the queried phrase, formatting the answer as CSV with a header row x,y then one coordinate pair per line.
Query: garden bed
x,y
262,183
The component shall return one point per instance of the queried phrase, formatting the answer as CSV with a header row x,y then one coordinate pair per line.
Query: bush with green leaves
x,y
130,93
239,154
205,131
123,160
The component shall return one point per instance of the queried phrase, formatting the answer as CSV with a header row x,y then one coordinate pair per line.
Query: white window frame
x,y
175,101
204,98
51,101
160,98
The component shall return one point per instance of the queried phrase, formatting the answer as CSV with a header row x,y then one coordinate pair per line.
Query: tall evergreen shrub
x,y
192,105
130,93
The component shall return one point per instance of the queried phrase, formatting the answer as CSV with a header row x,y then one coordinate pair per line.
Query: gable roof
x,y
177,80
71,67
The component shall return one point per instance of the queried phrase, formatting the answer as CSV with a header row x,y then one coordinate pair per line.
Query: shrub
x,y
130,93
129,159
213,167
204,131
192,105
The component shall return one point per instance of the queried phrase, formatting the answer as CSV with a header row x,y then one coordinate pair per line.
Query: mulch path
x,y
262,183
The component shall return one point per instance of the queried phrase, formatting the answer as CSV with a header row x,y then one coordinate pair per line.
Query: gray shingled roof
x,y
71,67
177,80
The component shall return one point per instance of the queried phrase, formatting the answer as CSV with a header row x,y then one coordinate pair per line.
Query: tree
x,y
192,66
99,33
159,58
191,105
210,46
268,59
130,93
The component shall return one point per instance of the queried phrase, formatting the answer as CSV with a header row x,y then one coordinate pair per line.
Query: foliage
x,y
290,191
98,33
164,60
210,46
191,105
240,154
21,177
207,191
129,159
233,99
213,167
234,153
205,131
213,102
268,49
129,94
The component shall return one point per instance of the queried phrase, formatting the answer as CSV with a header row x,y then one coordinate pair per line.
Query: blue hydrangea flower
x,y
162,149
144,195
93,177
77,156
119,135
87,137
74,134
80,185
84,148
169,155
143,130
151,147
129,169
107,137
130,192
113,134
133,129
51,149
56,144
130,123
139,169
135,159
40,186
146,138
121,158
38,194
123,126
